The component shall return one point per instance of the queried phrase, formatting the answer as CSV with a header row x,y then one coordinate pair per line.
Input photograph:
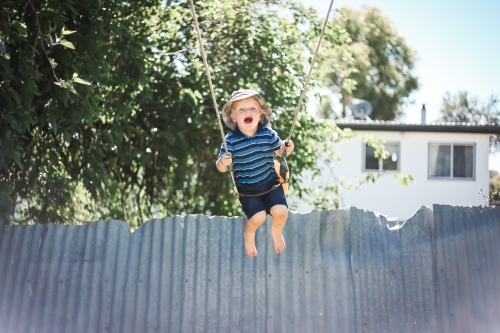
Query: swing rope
x,y
214,100
310,71
207,69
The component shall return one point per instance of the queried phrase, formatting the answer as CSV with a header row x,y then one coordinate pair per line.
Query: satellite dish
x,y
361,108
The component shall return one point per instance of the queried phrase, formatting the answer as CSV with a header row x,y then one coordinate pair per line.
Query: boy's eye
x,y
252,110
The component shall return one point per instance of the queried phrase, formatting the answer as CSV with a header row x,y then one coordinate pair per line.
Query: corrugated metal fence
x,y
343,271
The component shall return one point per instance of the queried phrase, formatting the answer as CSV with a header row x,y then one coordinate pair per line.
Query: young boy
x,y
251,146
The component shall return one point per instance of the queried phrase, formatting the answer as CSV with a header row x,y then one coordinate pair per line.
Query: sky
x,y
457,45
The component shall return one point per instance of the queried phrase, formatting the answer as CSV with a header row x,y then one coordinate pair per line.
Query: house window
x,y
377,164
454,161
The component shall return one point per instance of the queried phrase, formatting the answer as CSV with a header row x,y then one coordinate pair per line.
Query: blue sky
x,y
457,45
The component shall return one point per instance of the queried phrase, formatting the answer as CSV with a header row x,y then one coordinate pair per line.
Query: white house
x,y
448,160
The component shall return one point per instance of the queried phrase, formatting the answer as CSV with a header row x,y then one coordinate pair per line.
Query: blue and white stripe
x,y
253,157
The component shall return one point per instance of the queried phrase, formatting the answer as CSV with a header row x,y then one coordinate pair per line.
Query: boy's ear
x,y
231,115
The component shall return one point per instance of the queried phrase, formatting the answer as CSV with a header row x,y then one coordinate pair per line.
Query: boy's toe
x,y
279,242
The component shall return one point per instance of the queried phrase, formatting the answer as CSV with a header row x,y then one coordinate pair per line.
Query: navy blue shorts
x,y
251,206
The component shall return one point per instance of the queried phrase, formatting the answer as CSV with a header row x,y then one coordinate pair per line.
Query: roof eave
x,y
485,129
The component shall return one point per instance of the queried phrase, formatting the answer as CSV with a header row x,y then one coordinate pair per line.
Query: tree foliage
x,y
461,107
106,111
494,190
378,67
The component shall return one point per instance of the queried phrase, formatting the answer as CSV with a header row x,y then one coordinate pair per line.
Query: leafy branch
x,y
57,41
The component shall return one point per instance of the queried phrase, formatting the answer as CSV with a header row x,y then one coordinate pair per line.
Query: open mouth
x,y
248,120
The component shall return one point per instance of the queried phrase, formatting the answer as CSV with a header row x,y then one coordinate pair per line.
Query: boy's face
x,y
246,113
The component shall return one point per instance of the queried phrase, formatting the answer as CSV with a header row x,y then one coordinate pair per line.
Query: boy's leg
x,y
279,214
251,226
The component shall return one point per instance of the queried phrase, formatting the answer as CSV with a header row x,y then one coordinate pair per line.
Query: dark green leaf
x,y
21,27
17,159
14,95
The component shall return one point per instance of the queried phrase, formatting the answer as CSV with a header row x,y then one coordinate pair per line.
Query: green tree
x,y
56,133
494,198
380,69
461,107
141,139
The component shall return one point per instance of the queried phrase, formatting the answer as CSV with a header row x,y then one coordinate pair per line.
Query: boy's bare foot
x,y
250,248
279,241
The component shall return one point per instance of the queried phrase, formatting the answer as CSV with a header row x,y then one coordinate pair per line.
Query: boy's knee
x,y
258,218
279,212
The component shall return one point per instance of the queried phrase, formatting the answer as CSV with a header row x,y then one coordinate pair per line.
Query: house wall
x,y
387,195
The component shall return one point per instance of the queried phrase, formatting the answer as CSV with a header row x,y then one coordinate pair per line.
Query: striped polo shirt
x,y
253,157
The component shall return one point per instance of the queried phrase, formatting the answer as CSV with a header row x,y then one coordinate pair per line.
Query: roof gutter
x,y
481,129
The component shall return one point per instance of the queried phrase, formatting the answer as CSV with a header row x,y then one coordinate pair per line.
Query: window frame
x,y
451,145
380,161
